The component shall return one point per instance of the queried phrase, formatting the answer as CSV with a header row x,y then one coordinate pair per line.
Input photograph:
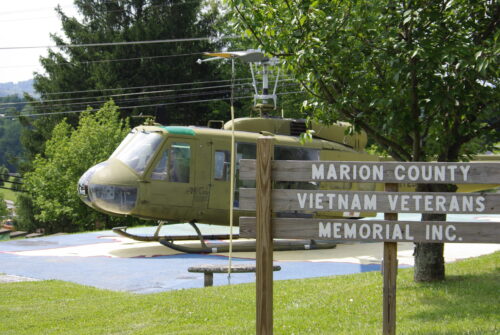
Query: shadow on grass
x,y
460,297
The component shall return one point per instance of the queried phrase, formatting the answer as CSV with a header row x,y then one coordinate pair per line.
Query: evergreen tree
x,y
96,69
11,149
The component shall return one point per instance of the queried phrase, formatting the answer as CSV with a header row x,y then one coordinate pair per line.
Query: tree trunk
x,y
429,260
429,257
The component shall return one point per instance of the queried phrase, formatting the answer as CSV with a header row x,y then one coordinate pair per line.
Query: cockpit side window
x,y
138,151
222,165
174,164
160,171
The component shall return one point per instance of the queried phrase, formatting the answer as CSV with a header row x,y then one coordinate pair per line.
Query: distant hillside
x,y
17,88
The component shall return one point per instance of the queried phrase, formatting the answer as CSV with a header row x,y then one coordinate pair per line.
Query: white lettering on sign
x,y
347,172
367,231
439,233
374,172
379,231
347,202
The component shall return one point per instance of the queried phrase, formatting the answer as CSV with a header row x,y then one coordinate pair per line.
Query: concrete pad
x,y
106,260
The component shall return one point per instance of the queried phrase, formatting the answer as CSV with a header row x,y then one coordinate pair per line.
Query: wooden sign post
x,y
390,267
264,242
391,202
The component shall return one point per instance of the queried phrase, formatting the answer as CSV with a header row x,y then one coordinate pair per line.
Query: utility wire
x,y
108,60
174,95
11,182
122,94
128,88
141,87
147,106
3,175
86,45
12,189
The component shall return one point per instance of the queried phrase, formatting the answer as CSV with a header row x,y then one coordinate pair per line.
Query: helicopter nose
x,y
108,189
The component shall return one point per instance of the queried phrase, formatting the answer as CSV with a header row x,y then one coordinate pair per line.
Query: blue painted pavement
x,y
108,261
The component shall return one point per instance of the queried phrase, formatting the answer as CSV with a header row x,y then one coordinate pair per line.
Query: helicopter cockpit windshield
x,y
137,149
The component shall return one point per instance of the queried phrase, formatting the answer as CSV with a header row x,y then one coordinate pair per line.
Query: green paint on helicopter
x,y
179,130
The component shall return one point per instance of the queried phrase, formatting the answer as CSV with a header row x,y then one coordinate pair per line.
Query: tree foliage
x,y
3,207
92,71
52,185
420,77
4,175
10,131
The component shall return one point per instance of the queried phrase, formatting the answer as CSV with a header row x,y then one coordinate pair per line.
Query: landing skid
x,y
219,246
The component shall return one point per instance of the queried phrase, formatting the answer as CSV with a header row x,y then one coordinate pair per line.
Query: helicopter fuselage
x,y
182,173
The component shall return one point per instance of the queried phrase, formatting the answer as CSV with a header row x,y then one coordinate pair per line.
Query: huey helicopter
x,y
185,174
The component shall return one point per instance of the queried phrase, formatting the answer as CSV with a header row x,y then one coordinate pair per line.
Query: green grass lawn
x,y
8,194
468,302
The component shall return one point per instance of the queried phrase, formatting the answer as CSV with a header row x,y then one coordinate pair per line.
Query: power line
x,y
148,106
12,189
86,45
128,88
9,176
11,182
45,104
107,60
141,87
2,105
175,95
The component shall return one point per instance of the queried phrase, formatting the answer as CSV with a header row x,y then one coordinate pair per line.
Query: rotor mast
x,y
255,58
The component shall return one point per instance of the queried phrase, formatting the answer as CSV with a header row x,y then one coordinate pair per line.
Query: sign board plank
x,y
379,172
378,230
381,202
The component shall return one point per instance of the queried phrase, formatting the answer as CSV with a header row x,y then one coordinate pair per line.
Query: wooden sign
x,y
379,172
389,202
378,230
264,227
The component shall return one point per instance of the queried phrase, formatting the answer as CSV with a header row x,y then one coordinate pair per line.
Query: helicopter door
x,y
172,179
221,158
219,187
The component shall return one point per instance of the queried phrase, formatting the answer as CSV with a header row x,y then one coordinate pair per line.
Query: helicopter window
x,y
160,171
298,154
174,164
222,163
243,151
178,164
139,150
124,142
294,153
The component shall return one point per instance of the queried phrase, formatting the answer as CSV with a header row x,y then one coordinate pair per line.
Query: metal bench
x,y
210,269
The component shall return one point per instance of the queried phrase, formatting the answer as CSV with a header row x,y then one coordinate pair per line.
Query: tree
x,y
420,77
10,131
52,184
97,73
25,213
4,175
4,211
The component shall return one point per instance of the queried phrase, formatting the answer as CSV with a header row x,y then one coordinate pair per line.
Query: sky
x,y
27,23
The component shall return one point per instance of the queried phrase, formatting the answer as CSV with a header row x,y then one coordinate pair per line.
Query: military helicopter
x,y
183,173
